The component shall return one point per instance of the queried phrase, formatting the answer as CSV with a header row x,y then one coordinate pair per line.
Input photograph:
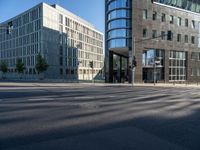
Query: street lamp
x,y
133,63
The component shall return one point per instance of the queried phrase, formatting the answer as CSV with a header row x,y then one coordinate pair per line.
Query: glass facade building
x,y
118,34
118,23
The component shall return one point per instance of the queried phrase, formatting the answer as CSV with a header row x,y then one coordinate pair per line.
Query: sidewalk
x,y
64,84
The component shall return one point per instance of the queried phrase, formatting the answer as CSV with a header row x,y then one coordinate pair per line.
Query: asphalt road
x,y
88,117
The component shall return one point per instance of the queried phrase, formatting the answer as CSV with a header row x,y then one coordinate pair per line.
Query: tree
x,y
4,69
20,67
41,64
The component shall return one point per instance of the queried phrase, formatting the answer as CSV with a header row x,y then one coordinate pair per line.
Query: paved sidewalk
x,y
52,84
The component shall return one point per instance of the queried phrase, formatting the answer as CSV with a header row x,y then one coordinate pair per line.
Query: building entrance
x,y
120,69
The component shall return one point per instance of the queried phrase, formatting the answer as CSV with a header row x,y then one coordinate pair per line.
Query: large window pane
x,y
121,23
118,33
122,13
118,4
118,43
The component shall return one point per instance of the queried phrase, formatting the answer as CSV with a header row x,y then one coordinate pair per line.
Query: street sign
x,y
157,62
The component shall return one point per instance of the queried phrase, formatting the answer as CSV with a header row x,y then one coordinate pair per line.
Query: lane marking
x,y
85,97
41,99
94,97
111,96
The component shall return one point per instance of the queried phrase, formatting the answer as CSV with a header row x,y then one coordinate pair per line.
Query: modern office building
x,y
67,42
163,36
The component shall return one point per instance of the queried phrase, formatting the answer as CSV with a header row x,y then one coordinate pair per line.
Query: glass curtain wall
x,y
191,5
118,23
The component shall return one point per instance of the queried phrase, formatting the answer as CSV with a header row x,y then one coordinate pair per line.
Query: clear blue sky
x,y
90,10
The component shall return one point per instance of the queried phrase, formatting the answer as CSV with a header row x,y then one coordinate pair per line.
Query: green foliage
x,y
4,67
41,64
20,66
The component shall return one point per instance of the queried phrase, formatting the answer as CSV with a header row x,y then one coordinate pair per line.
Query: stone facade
x,y
180,56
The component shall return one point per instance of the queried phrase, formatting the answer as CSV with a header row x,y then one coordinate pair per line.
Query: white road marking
x,y
111,96
41,99
93,97
84,97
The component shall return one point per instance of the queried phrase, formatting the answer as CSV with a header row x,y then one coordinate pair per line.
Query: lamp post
x,y
133,63
197,72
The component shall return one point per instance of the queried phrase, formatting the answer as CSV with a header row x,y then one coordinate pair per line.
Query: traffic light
x,y
169,35
134,63
9,27
91,64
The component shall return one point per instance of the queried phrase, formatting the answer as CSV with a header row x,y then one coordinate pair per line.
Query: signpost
x,y
92,66
156,62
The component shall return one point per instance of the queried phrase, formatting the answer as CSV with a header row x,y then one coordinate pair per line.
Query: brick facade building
x,y
140,30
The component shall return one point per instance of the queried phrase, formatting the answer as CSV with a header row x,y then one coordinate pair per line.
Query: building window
x,y
177,66
186,22
149,56
154,16
163,17
178,37
193,40
198,71
61,61
61,50
60,19
179,21
192,72
170,35
144,33
61,71
121,23
118,43
171,19
193,55
163,35
186,38
121,13
145,14
199,42
67,22
154,34
193,24
60,28
198,56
